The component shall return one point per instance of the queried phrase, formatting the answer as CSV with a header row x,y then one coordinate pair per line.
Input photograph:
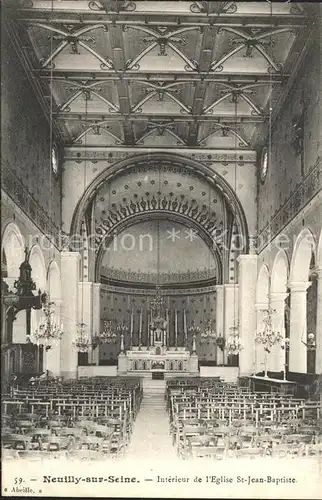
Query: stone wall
x,y
26,146
294,172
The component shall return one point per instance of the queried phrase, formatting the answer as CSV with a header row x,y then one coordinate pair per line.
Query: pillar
x,y
276,359
70,292
259,354
230,314
298,351
96,318
318,359
219,320
247,280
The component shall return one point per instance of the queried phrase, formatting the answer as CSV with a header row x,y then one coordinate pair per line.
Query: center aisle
x,y
151,438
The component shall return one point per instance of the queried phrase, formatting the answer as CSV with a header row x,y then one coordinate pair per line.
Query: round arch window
x,y
264,164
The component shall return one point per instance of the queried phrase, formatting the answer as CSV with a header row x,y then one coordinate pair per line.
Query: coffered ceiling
x,y
163,74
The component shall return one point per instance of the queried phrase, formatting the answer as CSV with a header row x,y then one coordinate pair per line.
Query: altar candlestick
x,y
149,322
176,327
131,328
168,328
185,326
140,327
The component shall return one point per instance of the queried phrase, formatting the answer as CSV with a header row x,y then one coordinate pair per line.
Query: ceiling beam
x,y
117,117
203,76
117,44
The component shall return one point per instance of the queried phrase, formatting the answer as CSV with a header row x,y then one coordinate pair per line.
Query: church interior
x,y
161,243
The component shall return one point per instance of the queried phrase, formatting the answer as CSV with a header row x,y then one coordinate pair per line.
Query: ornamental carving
x,y
166,204
106,289
163,278
310,186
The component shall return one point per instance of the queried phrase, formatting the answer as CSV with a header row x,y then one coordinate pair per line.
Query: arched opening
x,y
303,304
12,251
281,300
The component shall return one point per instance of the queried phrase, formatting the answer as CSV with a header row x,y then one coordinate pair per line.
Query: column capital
x,y
278,296
261,305
70,255
247,257
299,286
230,286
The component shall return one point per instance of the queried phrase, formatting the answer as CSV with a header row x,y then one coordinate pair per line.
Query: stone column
x,y
230,313
247,279
276,358
318,359
219,319
70,292
259,354
298,327
96,318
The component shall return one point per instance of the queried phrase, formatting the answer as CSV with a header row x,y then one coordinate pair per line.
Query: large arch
x,y
280,271
13,247
319,252
304,255
127,222
54,281
263,286
304,248
214,179
38,267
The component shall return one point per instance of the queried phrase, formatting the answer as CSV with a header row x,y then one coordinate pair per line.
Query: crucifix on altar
x,y
158,324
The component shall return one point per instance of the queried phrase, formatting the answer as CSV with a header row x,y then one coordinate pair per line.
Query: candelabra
x,y
268,337
209,331
122,328
48,328
193,329
285,345
82,341
310,343
108,335
234,343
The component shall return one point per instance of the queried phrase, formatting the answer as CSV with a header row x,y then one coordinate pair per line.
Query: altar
x,y
157,359
158,355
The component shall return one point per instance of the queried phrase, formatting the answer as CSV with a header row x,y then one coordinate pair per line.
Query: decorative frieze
x,y
114,155
310,186
162,278
166,292
20,195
